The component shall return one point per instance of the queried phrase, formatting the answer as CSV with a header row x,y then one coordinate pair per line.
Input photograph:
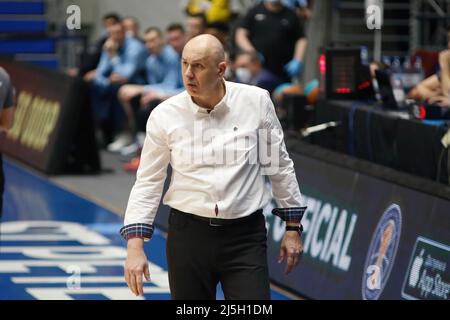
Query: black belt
x,y
218,222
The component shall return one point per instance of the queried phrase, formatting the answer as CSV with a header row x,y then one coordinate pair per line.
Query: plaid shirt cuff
x,y
137,230
290,214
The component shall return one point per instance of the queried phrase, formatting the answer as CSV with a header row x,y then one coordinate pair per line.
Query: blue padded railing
x,y
29,26
47,45
22,7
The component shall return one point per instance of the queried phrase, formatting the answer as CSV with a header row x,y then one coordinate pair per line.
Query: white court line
x,y
111,293
160,279
35,237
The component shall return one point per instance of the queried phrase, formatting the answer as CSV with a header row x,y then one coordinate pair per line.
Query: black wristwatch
x,y
299,229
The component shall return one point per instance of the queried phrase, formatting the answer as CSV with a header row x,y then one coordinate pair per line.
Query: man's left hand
x,y
291,249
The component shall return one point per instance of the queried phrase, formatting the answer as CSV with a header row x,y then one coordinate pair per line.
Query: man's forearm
x,y
242,40
300,48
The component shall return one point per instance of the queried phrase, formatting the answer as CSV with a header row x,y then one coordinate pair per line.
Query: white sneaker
x,y
140,137
122,140
129,150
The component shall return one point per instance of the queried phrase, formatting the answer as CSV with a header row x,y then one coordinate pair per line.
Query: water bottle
x,y
408,74
407,64
387,61
396,65
418,63
397,88
419,68
364,56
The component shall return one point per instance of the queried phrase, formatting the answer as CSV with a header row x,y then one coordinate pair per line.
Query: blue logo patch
x,y
382,252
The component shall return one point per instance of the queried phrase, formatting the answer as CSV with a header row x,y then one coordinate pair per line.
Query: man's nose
x,y
188,73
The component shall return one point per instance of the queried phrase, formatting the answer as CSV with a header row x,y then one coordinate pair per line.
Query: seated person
x,y
163,81
436,88
90,57
176,37
131,26
122,61
249,70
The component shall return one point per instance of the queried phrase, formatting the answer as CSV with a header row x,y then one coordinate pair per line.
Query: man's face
x,y
131,27
153,42
245,61
176,39
107,23
194,26
117,33
201,73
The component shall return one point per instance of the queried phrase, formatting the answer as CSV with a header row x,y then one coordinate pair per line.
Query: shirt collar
x,y
222,106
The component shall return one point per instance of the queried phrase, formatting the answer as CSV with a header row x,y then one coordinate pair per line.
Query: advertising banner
x,y
53,125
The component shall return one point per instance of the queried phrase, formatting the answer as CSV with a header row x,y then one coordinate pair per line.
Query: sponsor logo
x,y
428,275
328,231
374,14
382,251
73,21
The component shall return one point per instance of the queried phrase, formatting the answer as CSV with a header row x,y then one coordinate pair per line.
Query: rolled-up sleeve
x,y
279,167
146,193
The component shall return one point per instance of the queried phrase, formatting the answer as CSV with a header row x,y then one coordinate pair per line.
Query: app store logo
x,y
428,273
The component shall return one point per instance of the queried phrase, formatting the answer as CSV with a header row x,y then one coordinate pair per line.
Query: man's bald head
x,y
203,66
205,46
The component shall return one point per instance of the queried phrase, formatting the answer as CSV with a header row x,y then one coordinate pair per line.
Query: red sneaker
x,y
133,165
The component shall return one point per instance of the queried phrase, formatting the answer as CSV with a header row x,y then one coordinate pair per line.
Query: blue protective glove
x,y
294,67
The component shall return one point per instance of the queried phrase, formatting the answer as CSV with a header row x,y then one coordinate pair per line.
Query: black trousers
x,y
201,255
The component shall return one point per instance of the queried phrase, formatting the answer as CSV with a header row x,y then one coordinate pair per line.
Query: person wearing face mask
x,y
276,33
249,70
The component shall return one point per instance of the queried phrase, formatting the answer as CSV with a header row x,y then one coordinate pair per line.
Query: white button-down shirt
x,y
218,158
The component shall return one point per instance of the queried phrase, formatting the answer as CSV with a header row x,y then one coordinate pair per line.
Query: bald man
x,y
216,136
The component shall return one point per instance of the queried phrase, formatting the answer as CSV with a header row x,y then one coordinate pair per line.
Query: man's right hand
x,y
136,266
111,47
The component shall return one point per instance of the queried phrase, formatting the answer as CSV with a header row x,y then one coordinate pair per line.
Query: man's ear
x,y
222,67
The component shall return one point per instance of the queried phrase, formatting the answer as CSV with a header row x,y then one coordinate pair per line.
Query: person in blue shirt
x,y
163,81
122,61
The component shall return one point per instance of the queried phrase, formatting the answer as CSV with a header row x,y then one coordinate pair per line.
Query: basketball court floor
x,y
56,245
